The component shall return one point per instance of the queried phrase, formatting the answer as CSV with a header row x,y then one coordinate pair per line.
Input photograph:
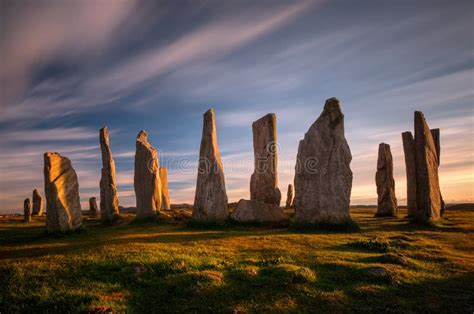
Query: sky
x,y
69,68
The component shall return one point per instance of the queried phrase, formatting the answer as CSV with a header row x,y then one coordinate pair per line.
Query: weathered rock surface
x,y
93,209
165,196
63,207
147,178
289,196
27,210
428,196
386,201
323,178
210,201
108,188
256,211
410,166
435,133
37,203
264,180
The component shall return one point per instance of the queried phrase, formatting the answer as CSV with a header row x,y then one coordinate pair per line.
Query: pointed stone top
x,y
210,111
50,154
35,191
103,129
142,136
332,104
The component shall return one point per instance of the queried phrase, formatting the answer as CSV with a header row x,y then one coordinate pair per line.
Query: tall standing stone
x,y
264,180
323,179
147,178
210,201
165,196
27,210
289,196
428,196
435,133
386,201
93,209
63,206
410,165
37,203
108,188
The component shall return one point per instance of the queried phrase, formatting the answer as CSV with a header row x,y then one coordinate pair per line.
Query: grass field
x,y
387,266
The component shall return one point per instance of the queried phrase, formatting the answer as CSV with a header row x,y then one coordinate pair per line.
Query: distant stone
x,y
256,211
264,180
435,133
410,166
323,178
63,206
93,209
27,210
386,201
289,196
165,196
210,201
428,195
37,203
147,178
108,188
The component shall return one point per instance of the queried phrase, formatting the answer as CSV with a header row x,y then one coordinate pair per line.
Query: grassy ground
x,y
387,266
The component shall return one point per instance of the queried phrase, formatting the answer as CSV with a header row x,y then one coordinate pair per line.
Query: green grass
x,y
147,267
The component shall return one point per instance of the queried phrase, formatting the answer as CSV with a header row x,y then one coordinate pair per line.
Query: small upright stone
x,y
428,196
386,201
289,196
93,209
63,206
410,165
27,210
108,188
147,178
264,180
165,196
323,178
37,203
210,201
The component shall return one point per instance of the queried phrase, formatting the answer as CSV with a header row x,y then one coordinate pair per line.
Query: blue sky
x,y
71,67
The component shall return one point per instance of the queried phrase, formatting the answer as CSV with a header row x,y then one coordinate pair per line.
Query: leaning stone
x,y
410,166
37,203
264,180
27,210
323,178
93,209
165,196
289,196
210,201
63,206
108,187
147,178
386,201
259,212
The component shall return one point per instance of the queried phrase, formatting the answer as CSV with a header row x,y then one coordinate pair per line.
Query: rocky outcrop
x,y
323,178
63,207
289,196
147,178
165,196
386,201
264,180
37,203
27,210
410,166
210,201
93,209
256,211
108,188
428,196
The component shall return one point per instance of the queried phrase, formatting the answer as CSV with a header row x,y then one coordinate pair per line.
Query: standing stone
x,y
323,179
251,211
108,188
410,165
386,201
264,180
428,196
147,178
63,206
289,196
93,209
165,196
435,133
210,201
37,203
27,210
